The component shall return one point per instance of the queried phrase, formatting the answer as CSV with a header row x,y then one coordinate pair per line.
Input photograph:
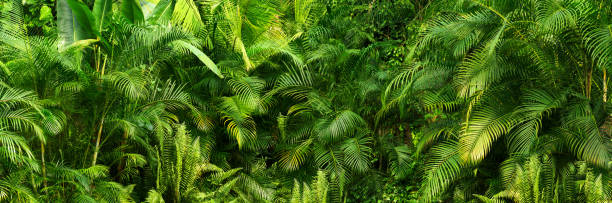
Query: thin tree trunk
x,y
32,181
103,66
605,86
588,82
95,155
121,161
85,157
97,55
44,166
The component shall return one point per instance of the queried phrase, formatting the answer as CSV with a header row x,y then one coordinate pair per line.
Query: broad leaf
x,y
67,27
187,15
132,11
207,61
163,11
84,18
102,13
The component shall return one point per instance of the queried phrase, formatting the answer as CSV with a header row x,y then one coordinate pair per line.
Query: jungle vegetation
x,y
305,101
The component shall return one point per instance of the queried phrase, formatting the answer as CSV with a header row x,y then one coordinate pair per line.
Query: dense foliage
x,y
305,101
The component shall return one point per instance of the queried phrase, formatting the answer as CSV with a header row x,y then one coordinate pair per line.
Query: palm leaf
x,y
132,12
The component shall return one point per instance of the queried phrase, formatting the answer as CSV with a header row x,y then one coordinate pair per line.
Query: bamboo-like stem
x,y
103,66
121,164
44,166
589,82
97,148
605,86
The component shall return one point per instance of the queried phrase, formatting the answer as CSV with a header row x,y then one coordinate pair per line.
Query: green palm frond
x,y
254,188
294,157
21,120
447,128
53,121
12,29
443,167
80,197
583,139
187,15
357,153
12,188
13,146
307,12
401,162
296,83
555,16
483,68
536,105
130,84
343,124
233,31
485,126
240,124
598,42
248,91
113,191
12,98
331,159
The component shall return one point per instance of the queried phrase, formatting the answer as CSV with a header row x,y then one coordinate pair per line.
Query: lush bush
x,y
305,101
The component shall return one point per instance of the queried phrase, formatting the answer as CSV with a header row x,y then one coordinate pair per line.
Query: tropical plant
x,y
314,192
486,76
305,101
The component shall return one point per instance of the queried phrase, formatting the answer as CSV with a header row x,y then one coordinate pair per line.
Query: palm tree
x,y
305,101
485,77
128,55
19,117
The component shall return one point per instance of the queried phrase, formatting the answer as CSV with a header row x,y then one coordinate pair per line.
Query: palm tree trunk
x,y
95,155
32,182
605,86
44,166
589,77
121,160
103,66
